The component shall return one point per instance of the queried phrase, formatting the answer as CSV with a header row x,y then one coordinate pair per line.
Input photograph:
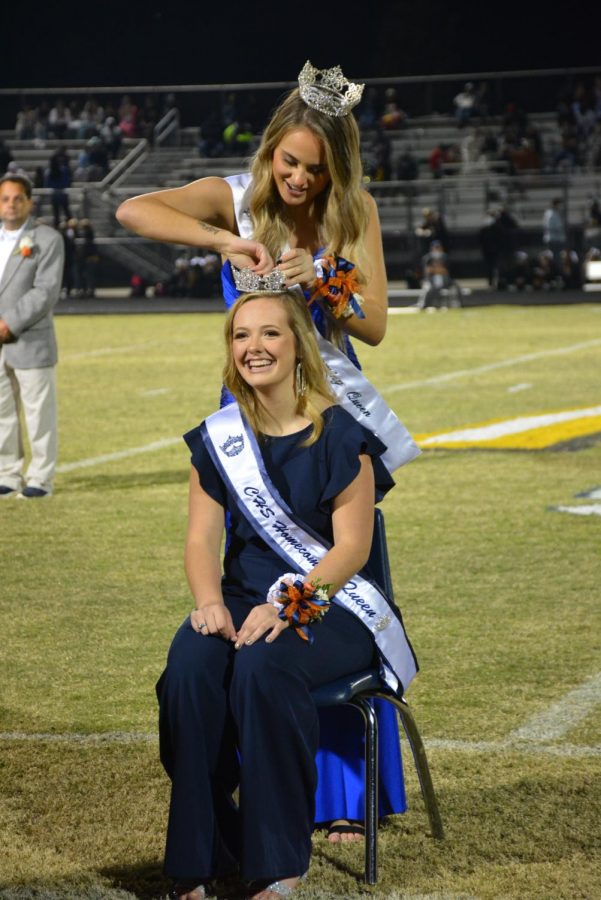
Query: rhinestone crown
x,y
328,91
248,281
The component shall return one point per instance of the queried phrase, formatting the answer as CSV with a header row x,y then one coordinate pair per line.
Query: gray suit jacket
x,y
29,289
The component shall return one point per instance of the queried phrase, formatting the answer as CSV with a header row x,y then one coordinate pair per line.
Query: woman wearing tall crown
x,y
302,215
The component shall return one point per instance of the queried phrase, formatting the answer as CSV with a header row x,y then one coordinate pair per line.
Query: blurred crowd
x,y
552,265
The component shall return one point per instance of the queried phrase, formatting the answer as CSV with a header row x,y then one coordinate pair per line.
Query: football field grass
x,y
496,568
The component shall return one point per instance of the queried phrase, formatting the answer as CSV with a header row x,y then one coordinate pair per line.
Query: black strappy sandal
x,y
346,827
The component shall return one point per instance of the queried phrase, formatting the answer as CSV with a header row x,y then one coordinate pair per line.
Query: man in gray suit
x,y
31,268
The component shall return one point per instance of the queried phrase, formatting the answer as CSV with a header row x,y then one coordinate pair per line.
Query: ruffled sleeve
x,y
202,462
344,441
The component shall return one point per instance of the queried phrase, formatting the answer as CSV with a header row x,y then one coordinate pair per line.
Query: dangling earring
x,y
300,382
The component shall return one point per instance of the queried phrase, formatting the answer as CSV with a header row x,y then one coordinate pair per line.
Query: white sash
x,y
360,398
235,452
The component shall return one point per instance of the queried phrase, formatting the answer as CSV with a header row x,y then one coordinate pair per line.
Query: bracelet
x,y
299,603
336,284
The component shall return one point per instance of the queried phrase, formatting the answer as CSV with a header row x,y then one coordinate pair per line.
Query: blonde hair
x,y
341,214
309,403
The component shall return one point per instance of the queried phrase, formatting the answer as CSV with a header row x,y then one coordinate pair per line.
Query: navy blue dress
x,y
308,478
246,717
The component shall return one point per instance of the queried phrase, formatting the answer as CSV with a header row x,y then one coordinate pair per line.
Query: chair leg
x,y
421,763
371,788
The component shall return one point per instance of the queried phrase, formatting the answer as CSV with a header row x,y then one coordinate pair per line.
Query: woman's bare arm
x,y
199,214
352,524
202,561
372,328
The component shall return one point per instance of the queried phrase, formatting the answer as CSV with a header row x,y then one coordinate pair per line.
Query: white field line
x,y
563,716
124,348
99,737
107,351
503,746
159,445
120,454
592,509
490,367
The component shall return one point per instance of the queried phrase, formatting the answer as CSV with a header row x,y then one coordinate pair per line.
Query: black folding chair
x,y
357,690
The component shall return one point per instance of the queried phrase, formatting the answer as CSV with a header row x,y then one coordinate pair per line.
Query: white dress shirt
x,y
8,244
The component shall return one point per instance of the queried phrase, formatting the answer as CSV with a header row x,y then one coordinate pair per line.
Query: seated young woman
x,y
298,478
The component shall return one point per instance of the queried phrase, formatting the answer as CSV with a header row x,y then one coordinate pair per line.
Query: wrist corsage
x,y
336,284
299,602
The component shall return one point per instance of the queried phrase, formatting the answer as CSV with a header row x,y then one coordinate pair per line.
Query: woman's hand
x,y
297,266
245,254
259,620
215,618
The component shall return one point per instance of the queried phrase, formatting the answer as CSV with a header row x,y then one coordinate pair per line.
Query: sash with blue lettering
x,y
235,452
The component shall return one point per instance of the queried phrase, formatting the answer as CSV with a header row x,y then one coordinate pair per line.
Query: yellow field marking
x,y
534,432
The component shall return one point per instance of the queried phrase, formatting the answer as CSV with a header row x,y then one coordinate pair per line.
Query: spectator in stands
x,y
128,117
210,137
59,120
432,228
367,117
570,271
407,166
88,258
442,159
229,109
5,157
71,279
25,124
508,238
392,116
89,120
464,103
472,156
37,182
519,274
438,288
592,224
554,230
544,272
482,101
58,177
111,135
490,246
98,157
593,150
381,153
147,119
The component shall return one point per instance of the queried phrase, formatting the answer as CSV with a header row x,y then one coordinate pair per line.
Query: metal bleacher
x,y
463,194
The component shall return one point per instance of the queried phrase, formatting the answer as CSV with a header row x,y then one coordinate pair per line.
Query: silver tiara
x,y
328,91
248,281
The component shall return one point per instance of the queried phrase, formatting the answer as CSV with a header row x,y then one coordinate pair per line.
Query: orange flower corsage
x,y
299,603
336,285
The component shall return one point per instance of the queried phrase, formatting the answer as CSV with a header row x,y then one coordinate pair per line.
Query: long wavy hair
x,y
341,215
309,403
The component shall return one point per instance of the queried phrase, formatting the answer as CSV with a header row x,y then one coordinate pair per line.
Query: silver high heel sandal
x,y
284,890
188,887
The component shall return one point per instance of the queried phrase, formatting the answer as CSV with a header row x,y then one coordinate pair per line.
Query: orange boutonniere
x,y
26,246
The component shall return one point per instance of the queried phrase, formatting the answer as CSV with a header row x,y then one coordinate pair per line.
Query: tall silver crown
x,y
328,91
248,281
